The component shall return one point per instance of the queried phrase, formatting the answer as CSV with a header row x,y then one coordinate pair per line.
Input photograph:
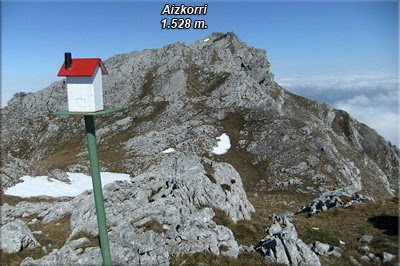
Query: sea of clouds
x,y
372,98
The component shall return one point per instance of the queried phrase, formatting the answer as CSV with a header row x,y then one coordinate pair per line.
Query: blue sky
x,y
304,41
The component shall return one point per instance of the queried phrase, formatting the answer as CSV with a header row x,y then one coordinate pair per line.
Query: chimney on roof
x,y
67,60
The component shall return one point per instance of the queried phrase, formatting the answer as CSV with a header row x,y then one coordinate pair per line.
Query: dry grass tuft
x,y
208,258
154,226
245,232
14,200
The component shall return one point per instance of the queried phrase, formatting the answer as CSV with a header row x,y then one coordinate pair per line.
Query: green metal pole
x,y
97,190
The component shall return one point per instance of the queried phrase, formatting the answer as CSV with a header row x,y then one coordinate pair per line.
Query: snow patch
x,y
44,186
169,150
207,39
223,144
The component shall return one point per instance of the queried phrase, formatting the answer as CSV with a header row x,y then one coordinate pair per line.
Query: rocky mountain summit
x,y
184,97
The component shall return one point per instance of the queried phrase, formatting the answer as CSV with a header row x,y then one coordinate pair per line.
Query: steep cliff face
x,y
184,96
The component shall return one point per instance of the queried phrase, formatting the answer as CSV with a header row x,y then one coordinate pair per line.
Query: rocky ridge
x,y
183,97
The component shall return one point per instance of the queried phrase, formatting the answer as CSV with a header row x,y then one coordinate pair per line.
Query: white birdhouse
x,y
84,83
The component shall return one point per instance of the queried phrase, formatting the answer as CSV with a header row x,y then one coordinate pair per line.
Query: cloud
x,y
371,98
345,83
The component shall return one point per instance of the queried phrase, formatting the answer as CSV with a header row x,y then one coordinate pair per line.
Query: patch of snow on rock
x,y
44,186
223,144
207,39
169,150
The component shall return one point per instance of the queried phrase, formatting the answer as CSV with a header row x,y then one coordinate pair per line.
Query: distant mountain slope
x,y
183,97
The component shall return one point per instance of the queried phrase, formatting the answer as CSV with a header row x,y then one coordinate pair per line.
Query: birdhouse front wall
x,y
85,94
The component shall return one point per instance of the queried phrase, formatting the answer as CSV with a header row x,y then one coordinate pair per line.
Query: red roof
x,y
82,67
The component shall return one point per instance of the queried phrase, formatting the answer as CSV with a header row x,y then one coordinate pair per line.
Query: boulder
x,y
323,249
47,211
386,256
332,199
363,249
365,239
282,245
16,236
59,175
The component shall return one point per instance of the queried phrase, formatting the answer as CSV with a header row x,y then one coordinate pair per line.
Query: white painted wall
x,y
85,94
98,89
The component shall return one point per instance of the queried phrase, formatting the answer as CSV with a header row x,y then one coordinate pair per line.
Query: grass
x,y
154,226
335,224
245,232
238,158
14,200
341,124
349,224
208,258
159,108
65,154
196,87
226,187
148,83
209,172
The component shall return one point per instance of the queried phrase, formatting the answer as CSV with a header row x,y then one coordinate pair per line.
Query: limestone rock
x,y
332,199
325,249
13,169
46,211
16,236
363,249
354,261
126,248
283,246
178,195
365,239
59,175
386,256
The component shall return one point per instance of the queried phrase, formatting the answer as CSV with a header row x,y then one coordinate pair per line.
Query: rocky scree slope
x,y
184,96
